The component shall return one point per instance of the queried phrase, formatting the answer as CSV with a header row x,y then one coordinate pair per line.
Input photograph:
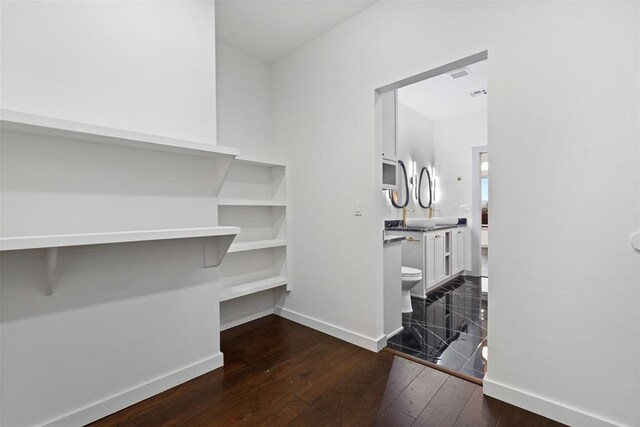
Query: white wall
x,y
563,282
125,321
454,139
244,122
141,66
244,102
415,144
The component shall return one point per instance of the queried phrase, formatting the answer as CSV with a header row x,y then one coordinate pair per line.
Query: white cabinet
x,y
253,197
429,271
459,250
389,104
387,137
439,254
392,260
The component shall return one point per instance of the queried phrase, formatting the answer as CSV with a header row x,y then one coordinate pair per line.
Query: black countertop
x,y
422,230
391,239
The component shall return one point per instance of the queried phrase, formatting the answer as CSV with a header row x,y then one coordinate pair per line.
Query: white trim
x,y
543,406
373,344
476,213
138,393
394,333
242,318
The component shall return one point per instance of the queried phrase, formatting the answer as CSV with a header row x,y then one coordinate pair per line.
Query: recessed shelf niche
x,y
253,198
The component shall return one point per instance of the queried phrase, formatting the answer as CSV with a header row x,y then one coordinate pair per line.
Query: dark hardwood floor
x,y
278,373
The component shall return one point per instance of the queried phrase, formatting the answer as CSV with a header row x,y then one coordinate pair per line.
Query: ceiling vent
x,y
460,72
477,93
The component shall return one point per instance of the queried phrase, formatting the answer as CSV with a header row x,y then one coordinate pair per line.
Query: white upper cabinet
x,y
389,103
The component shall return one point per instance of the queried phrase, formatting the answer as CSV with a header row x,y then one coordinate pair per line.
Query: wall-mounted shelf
x,y
257,244
243,289
82,239
249,202
256,161
49,126
41,125
218,240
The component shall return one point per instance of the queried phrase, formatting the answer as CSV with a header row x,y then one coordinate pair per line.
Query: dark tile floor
x,y
449,327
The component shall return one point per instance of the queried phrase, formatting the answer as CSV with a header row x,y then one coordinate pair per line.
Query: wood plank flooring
x,y
280,373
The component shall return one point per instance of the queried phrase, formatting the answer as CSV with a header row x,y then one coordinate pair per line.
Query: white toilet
x,y
410,277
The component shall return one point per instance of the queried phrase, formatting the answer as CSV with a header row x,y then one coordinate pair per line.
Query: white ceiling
x,y
270,29
442,97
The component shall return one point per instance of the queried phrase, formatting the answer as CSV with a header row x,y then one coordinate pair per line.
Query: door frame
x,y
476,212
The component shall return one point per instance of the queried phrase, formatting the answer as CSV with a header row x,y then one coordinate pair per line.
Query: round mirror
x,y
425,192
400,199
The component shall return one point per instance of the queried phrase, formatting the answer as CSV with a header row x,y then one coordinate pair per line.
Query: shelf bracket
x,y
216,249
52,261
635,241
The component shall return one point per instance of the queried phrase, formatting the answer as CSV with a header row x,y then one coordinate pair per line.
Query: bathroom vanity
x,y
438,251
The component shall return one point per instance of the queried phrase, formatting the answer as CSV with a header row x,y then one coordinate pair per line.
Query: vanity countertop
x,y
422,230
391,239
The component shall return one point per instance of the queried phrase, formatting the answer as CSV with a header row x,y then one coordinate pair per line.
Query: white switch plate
x,y
357,207
635,241
465,208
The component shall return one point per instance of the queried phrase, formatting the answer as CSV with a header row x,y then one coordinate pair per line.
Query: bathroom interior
x,y
435,182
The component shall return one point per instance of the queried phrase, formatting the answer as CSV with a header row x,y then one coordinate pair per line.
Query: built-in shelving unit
x,y
253,198
22,129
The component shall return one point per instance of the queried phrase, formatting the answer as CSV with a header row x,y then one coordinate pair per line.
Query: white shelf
x,y
237,291
249,202
256,244
216,245
249,160
62,240
49,126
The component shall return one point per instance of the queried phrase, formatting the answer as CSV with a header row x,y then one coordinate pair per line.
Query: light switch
x,y
357,207
465,208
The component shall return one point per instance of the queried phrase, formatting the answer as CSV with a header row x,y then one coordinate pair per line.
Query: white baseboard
x,y
245,317
542,406
396,332
136,394
373,344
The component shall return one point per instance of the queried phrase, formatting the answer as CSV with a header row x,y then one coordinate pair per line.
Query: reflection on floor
x,y
449,327
485,262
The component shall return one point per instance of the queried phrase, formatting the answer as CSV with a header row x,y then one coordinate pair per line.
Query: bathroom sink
x,y
421,222
445,220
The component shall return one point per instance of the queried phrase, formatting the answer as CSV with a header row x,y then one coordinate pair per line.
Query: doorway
x,y
435,120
